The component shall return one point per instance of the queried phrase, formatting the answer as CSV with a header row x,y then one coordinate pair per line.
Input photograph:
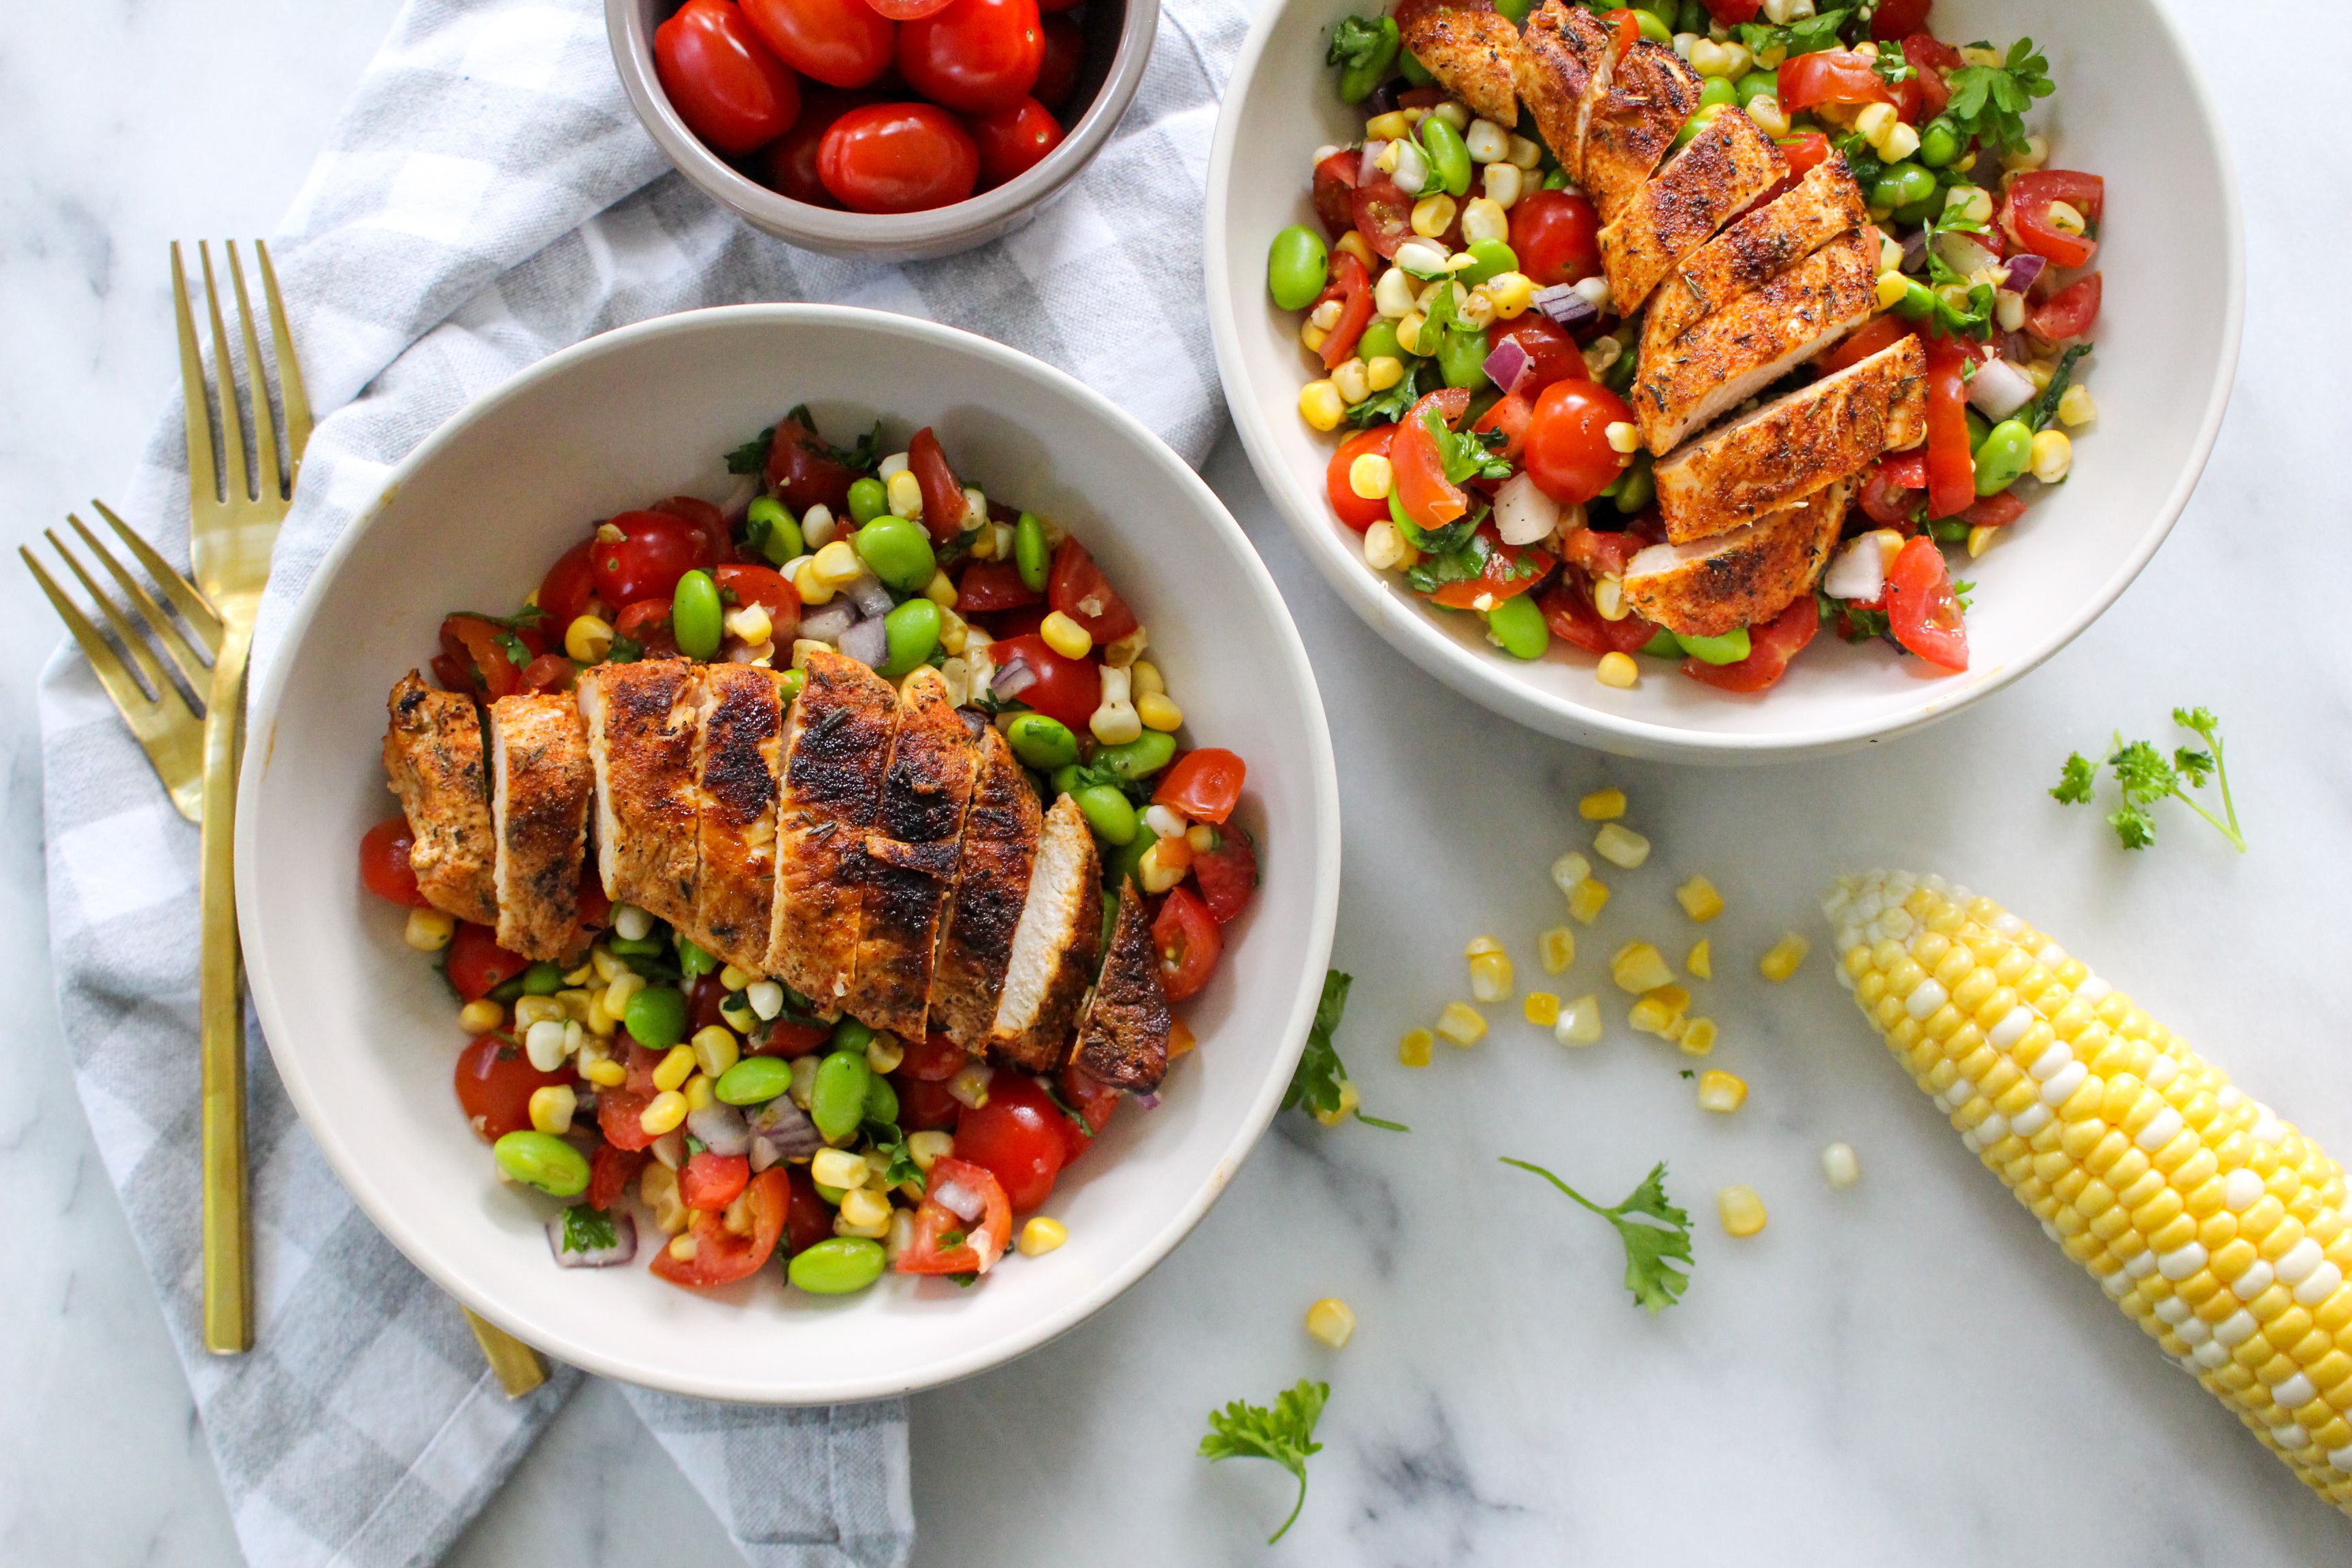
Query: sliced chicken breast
x,y
643,722
1727,166
540,783
1763,243
1054,947
999,849
1742,578
1631,115
742,761
1561,53
910,859
1472,52
433,753
1737,352
840,731
1811,439
1123,1034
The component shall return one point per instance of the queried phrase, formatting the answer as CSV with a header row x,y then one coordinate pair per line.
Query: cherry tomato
x,y
1568,610
1952,465
842,43
1016,1137
1556,235
1204,785
1012,142
1602,552
1069,690
720,1257
988,586
725,84
1189,941
1771,646
1079,590
550,673
1380,212
1994,510
789,164
1353,509
907,10
495,1082
1921,47
1065,51
620,1110
943,497
1227,875
2025,216
646,624
790,1040
1509,571
478,964
808,1218
610,1171
934,1059
741,584
475,652
1093,1100
710,1181
568,586
1731,13
1920,608
1429,498
1804,152
945,1242
925,1107
657,549
897,157
1335,190
1889,491
976,55
1830,75
1898,18
1553,353
1021,621
1567,452
383,863
1510,415
709,519
1878,332
804,472
1352,286
2068,314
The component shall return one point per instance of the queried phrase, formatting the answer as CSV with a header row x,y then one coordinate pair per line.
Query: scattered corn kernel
x,y
1602,805
1490,970
1384,547
1981,539
1697,1038
1782,961
2053,455
605,1073
663,1112
429,931
674,1067
1158,711
1741,1209
1331,1321
1589,899
715,1048
1621,846
552,1106
1041,1235
698,1093
1699,900
2075,407
1701,961
1654,1014
1370,476
1569,872
1320,404
480,1017
1065,635
588,639
1839,1166
1640,967
884,1053
1462,1024
1579,1023
1413,1048
1558,947
1432,216
1624,436
1350,1098
1720,1091
1542,1009
841,1168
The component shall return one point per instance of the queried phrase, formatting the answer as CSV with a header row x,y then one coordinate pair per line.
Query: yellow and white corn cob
x,y
2216,1225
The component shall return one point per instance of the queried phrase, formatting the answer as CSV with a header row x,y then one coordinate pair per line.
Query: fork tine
x,y
151,669
165,631
256,379
232,422
192,606
291,393
120,685
204,476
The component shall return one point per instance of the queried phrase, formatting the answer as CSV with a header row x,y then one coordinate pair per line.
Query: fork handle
x,y
228,1250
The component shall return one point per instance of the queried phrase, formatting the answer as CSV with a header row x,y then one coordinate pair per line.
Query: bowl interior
x,y
364,1031
2127,107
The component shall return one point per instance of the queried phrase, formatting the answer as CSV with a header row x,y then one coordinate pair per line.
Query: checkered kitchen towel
x,y
487,199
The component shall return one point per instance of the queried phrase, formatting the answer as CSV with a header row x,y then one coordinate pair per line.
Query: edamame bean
x,y
1449,158
849,1034
1409,67
1461,357
1108,813
881,1100
1653,27
1691,17
693,960
1756,85
912,634
2003,457
1919,211
543,979
1902,185
1125,862
789,684
638,947
868,498
1978,426
1939,143
1729,649
1137,759
1719,90
1557,180
1919,301
772,530
1515,12
1663,645
1362,75
542,1159
837,1266
1042,742
1520,626
1065,781
1635,488
1380,340
837,1101
1488,258
754,1080
897,552
694,616
1296,267
1031,554
655,1017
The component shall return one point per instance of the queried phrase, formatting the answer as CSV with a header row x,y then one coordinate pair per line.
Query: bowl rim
x,y
973,221
414,1240
1471,671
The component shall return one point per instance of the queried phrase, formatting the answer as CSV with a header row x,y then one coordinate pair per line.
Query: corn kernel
x,y
1981,539
865,1208
1483,219
552,1106
715,1048
1432,216
2066,218
1511,293
663,1112
1782,961
1352,244
1384,547
1350,1098
1065,635
1579,1023
683,1248
1382,372
1652,1015
1898,143
1320,404
1621,846
1542,1008
480,1017
1557,949
1462,1024
837,564
1624,435
1041,1235
1490,970
1388,127
1353,383
1407,331
2053,455
1413,1048
1585,904
1699,900
1370,476
674,1067
1504,182
1701,961
588,639
1640,967
1839,1166
2075,407
605,1073
1721,1091
1892,287
1602,805
1487,141
1569,872
1331,1321
1158,711
429,931
838,1168
883,1052
1453,114
1769,117
698,1093
1741,1210
1699,1037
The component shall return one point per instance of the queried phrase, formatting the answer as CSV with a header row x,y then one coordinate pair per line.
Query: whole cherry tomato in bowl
x,y
976,56
657,548
897,157
842,43
727,84
1015,141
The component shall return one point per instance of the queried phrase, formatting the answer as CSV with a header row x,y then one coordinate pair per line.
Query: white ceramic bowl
x,y
364,1031
2128,106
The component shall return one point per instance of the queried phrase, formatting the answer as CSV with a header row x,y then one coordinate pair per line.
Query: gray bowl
x,y
1119,35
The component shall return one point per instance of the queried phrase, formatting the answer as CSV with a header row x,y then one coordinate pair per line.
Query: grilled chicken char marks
x,y
844,724
1631,116
1726,167
541,787
742,755
912,854
644,727
1054,947
432,755
1000,849
1562,51
1742,578
1763,243
1123,1035
1471,50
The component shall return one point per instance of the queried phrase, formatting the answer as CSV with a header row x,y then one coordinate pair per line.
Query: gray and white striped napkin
x,y
488,198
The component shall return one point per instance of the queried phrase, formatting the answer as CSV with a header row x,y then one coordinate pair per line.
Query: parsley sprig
x,y
1976,321
2045,408
1989,101
1284,1434
1805,35
1320,1084
1652,1250
2146,775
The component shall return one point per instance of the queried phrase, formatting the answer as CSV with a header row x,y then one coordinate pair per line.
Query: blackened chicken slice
x,y
1123,1035
541,785
1757,248
1630,117
742,760
1054,947
433,753
1470,49
644,727
840,735
1564,49
999,849
1706,184
1743,578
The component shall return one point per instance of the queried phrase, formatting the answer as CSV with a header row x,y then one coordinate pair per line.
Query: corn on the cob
x,y
2216,1225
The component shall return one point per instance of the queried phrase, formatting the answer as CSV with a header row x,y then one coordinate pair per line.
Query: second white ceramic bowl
x,y
2128,106
364,1031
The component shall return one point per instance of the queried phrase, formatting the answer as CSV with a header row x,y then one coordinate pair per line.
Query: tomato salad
x,y
748,1121
1465,352
877,106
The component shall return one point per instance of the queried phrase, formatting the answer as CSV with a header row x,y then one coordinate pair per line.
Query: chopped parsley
x,y
1652,1249
588,1230
2146,775
892,1144
1388,407
1804,36
1284,1433
1320,1085
2045,408
751,456
1989,101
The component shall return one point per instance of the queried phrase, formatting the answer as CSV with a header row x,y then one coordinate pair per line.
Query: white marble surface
x,y
1903,1371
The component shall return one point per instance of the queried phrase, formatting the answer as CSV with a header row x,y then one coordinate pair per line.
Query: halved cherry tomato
x,y
656,549
1804,152
383,864
1353,509
1352,286
477,965
1878,332
620,1110
726,86
550,673
595,909
611,1169
788,1040
976,56
1021,621
990,585
1889,491
646,624
1602,552
1509,571
1227,875
1430,500
1012,142
564,592
1065,51
1204,785
2068,314
709,519
1079,590
945,1242
909,10
1335,191
1016,1137
1731,13
1567,452
1898,18
1952,465
898,157
2025,216
1093,1100
1553,353
842,43
804,472
1187,938
495,1082
925,1107
1994,510
1510,415
476,651
943,497
1556,235
1771,646
808,1218
1568,610
1382,213
720,1257
710,1181
934,1059
1830,75
740,583
1069,690
1920,609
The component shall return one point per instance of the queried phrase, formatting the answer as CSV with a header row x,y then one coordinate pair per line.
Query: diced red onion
x,y
827,622
624,1248
2024,269
866,591
1564,305
1965,254
1148,1102
785,1126
868,642
1999,389
720,1127
1523,514
1013,677
959,1201
1368,169
1509,365
765,1154
1914,251
670,1148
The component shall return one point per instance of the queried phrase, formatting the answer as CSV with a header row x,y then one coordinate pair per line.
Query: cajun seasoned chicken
x,y
1054,946
1123,1034
540,782
433,753
743,719
1560,55
1471,50
1773,238
1634,111
840,734
644,720
1001,830
1742,578
1726,167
